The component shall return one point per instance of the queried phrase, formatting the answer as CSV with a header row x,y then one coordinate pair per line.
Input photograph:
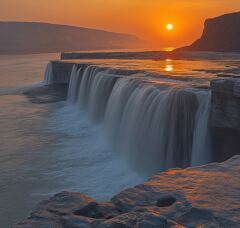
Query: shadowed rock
x,y
98,210
221,34
225,118
166,201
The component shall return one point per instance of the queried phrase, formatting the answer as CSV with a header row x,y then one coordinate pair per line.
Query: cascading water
x,y
48,77
74,84
155,127
101,89
85,87
115,108
202,140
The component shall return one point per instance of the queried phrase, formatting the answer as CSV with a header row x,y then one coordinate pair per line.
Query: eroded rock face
x,y
226,103
207,196
225,118
220,34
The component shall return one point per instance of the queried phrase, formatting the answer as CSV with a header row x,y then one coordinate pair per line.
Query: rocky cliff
x,y
226,103
225,117
206,196
221,34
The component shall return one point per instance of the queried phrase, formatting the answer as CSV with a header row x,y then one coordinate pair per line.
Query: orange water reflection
x,y
169,65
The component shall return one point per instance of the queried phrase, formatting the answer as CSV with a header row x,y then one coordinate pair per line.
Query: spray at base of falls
x,y
155,128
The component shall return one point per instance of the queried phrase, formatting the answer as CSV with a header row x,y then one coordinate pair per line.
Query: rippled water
x,y
49,147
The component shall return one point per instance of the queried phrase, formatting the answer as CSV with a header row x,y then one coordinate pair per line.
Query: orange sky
x,y
145,18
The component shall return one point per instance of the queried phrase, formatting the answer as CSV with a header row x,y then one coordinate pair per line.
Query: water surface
x,y
49,147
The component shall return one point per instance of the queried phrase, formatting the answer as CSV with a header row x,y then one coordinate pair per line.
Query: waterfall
x,y
74,84
201,144
101,89
115,108
85,88
48,77
154,127
91,90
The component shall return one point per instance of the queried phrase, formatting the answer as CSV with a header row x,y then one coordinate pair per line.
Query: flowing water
x,y
117,124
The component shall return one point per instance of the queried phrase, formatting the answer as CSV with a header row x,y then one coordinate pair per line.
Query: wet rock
x,y
225,109
206,196
196,187
73,221
225,118
64,203
98,210
166,201
195,217
136,219
49,212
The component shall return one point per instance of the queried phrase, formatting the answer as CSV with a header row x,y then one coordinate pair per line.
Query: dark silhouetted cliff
x,y
29,37
220,34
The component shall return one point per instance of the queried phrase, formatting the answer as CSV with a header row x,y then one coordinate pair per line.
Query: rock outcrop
x,y
221,34
225,118
226,103
206,196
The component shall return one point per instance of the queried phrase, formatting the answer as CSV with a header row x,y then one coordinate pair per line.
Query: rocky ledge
x,y
206,196
225,118
226,103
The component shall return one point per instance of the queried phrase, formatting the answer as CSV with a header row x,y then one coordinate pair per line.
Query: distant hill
x,y
220,34
31,37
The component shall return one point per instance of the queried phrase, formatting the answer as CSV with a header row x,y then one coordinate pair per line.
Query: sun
x,y
169,27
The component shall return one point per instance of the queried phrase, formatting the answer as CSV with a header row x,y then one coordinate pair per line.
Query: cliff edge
x,y
220,34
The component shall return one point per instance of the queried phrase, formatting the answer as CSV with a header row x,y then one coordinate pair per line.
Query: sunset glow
x,y
169,26
146,19
101,96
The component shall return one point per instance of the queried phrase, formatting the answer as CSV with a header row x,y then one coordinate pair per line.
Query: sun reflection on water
x,y
169,65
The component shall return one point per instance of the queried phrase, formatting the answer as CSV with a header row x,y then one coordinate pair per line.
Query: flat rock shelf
x,y
192,197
